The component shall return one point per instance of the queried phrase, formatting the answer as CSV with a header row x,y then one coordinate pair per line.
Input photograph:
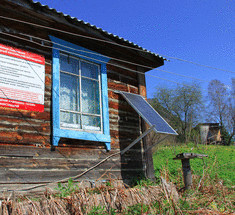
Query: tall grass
x,y
219,164
213,177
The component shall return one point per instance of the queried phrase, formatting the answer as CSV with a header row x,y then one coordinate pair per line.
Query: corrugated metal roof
x,y
75,20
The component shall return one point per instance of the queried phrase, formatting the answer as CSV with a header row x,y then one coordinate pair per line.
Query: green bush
x,y
137,209
67,189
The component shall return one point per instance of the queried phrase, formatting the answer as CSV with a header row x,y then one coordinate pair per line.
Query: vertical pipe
x,y
187,173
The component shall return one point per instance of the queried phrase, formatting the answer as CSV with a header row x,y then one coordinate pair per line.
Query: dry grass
x,y
207,196
83,201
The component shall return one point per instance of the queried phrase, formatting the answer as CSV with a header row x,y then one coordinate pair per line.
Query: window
x,y
80,96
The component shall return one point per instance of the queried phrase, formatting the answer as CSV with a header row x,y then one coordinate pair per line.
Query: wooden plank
x,y
43,176
24,138
7,189
118,86
123,134
120,70
25,114
123,107
118,75
131,82
122,113
67,164
113,95
28,128
61,152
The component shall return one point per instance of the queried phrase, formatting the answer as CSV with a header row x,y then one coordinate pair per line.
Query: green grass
x,y
220,163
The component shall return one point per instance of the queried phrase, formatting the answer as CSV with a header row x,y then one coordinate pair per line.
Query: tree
x,y
182,106
221,108
233,107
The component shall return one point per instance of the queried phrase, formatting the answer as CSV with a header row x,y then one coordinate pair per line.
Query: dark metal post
x,y
185,157
187,173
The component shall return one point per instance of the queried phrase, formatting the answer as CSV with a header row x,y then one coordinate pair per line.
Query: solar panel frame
x,y
171,131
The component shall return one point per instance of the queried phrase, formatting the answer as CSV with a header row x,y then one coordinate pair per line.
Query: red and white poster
x,y
22,79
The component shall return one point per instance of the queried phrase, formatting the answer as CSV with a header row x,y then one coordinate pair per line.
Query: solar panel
x,y
146,111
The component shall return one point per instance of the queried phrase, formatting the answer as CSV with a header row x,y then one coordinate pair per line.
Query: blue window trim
x,y
90,56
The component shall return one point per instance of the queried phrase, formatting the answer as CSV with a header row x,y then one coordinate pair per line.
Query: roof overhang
x,y
80,32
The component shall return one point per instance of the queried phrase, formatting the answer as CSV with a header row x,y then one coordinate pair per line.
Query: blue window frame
x,y
80,94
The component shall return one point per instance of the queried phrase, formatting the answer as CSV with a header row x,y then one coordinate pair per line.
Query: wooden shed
x,y
210,133
59,110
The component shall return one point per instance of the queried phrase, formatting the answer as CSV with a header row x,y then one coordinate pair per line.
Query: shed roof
x,y
211,124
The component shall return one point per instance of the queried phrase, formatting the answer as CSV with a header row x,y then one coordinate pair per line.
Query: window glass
x,y
71,120
89,70
69,64
79,107
91,123
90,96
69,93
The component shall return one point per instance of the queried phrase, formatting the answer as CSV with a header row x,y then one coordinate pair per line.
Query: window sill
x,y
81,135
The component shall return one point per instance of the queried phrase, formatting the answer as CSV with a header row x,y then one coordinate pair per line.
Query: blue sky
x,y
195,30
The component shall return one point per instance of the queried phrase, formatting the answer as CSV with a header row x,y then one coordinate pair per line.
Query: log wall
x,y
26,155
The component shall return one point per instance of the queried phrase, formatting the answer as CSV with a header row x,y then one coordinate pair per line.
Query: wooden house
x,y
60,113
